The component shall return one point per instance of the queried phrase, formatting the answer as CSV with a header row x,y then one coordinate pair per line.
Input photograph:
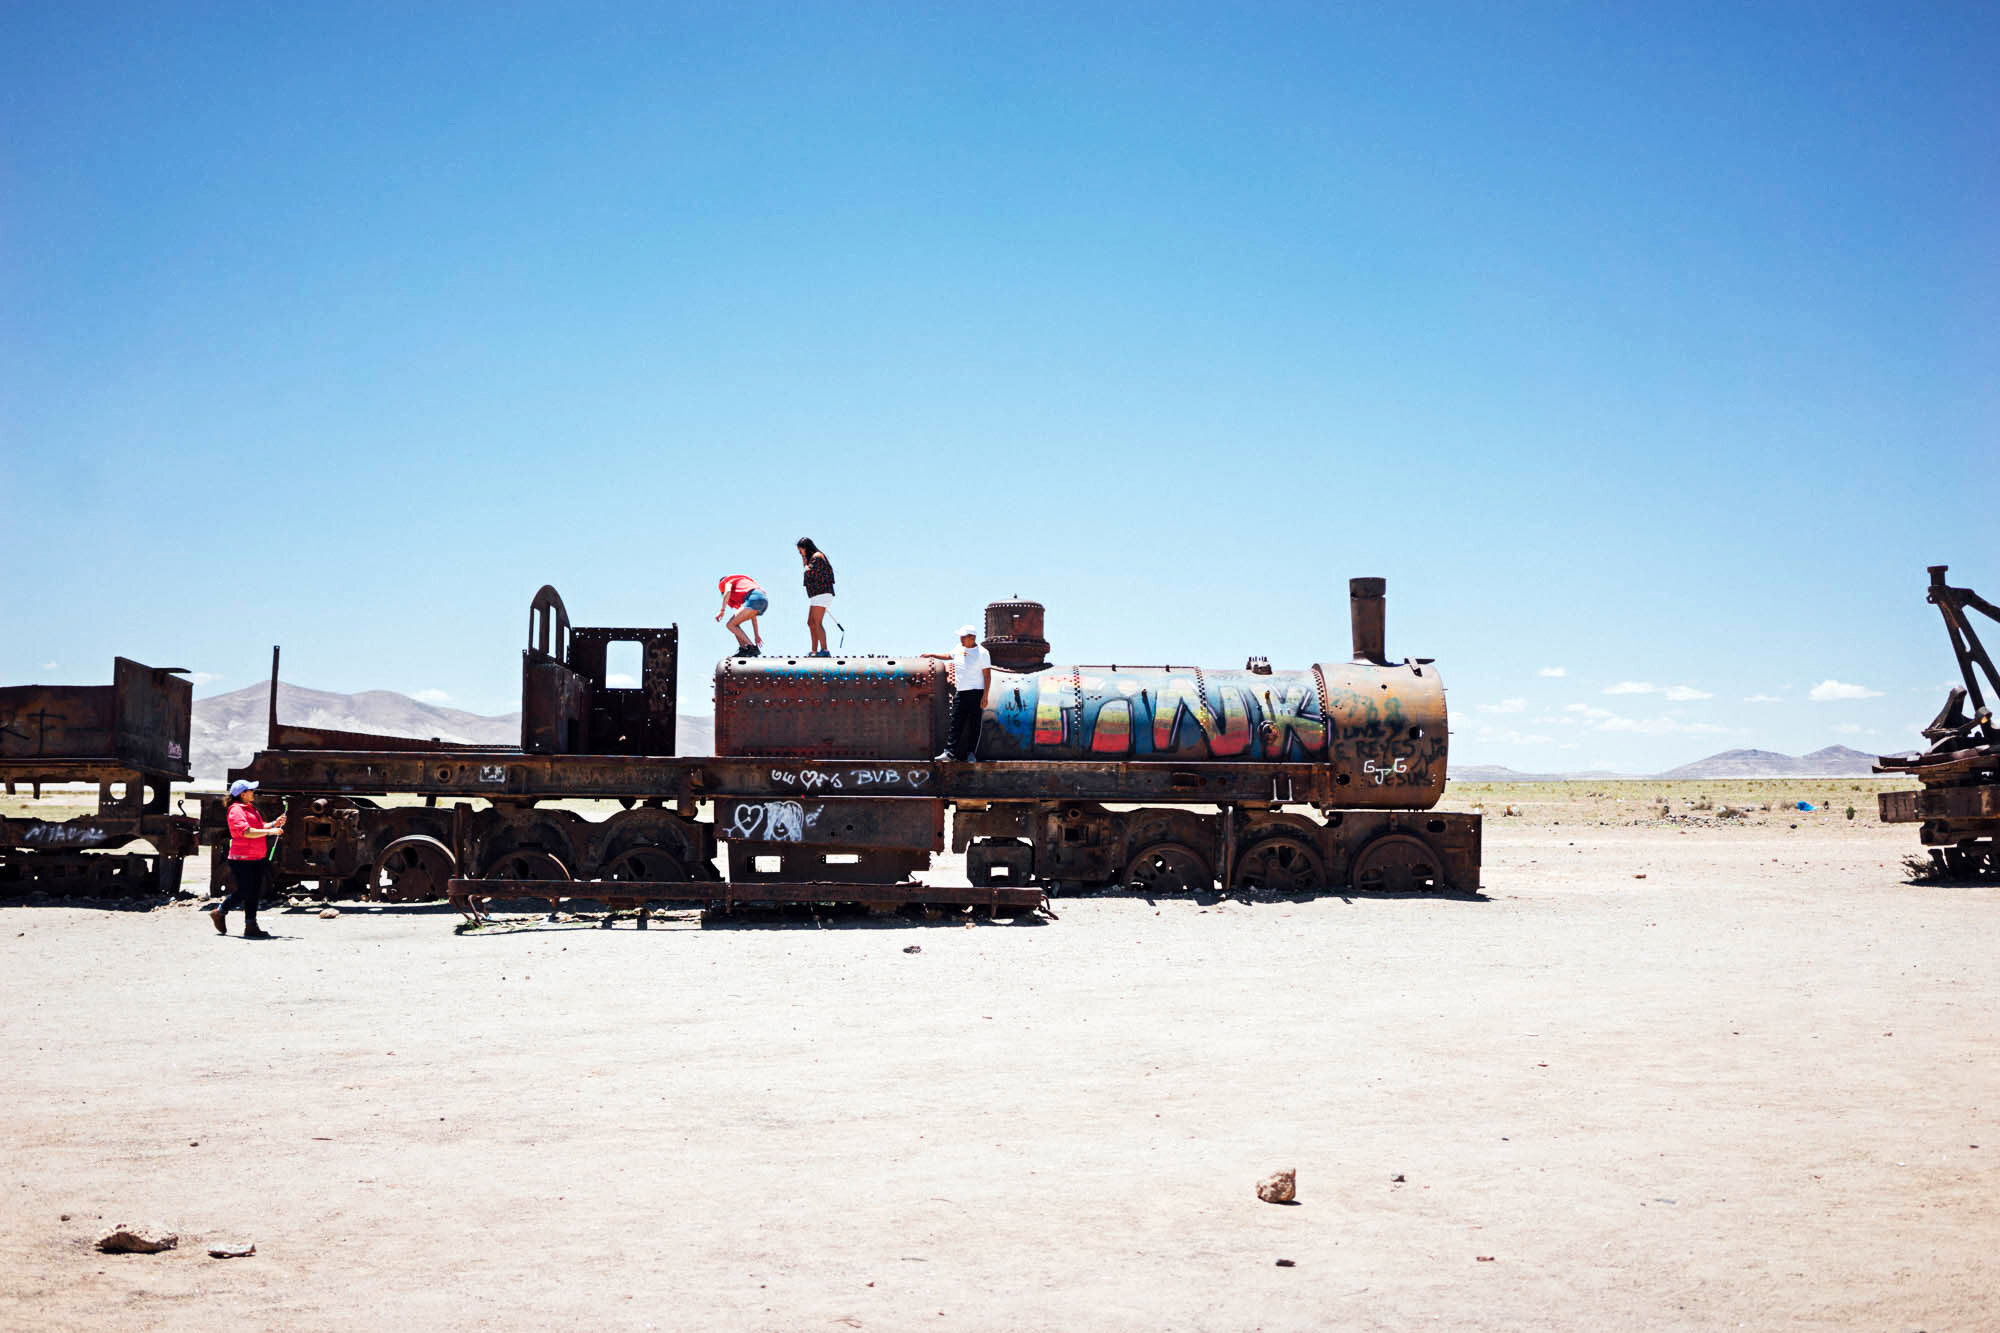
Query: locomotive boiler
x,y
822,787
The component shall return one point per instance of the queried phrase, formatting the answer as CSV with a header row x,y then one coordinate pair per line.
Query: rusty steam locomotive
x,y
822,787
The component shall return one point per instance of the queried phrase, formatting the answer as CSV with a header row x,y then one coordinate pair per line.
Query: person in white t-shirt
x,y
971,672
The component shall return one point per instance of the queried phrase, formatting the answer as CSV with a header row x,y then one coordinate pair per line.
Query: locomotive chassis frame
x,y
802,827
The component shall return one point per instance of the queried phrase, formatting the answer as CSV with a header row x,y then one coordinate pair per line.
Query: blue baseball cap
x,y
238,787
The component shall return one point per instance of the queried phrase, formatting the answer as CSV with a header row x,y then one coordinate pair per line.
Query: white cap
x,y
964,630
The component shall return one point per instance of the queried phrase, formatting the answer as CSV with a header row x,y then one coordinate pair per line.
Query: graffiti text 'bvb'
x,y
827,779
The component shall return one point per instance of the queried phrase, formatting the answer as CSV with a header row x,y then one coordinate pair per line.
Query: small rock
x,y
328,913
1396,1179
124,1239
1280,1187
1640,875
1484,1258
232,1250
1286,1263
913,948
65,1216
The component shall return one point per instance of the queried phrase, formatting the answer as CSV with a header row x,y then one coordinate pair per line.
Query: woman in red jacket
x,y
249,846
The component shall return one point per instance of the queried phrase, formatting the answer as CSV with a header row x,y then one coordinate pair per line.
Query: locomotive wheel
x,y
1282,864
1168,867
1397,863
528,864
411,869
647,863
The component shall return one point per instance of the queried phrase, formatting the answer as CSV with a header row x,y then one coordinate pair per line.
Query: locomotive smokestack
x,y
1366,599
1014,636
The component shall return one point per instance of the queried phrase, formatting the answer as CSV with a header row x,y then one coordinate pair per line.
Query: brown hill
x,y
1834,761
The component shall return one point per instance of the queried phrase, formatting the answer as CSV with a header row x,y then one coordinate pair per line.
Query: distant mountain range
x,y
229,728
1835,761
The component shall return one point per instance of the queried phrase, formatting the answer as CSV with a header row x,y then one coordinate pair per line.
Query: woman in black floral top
x,y
819,593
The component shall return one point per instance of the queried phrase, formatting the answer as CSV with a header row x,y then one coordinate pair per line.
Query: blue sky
x,y
1656,349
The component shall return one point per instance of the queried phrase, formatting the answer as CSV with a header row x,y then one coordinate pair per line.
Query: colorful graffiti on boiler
x,y
1382,728
1186,714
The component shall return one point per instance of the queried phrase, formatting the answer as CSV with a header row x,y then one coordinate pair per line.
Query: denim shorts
x,y
757,602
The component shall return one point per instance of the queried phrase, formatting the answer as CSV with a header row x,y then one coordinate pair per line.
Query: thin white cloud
x,y
621,680
1554,673
1641,726
432,696
1762,699
1667,726
1603,719
204,677
1680,694
1829,690
1486,731
1506,706
50,666
1854,729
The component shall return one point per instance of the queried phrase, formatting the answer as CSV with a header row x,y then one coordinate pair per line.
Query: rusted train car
x,y
129,739
823,789
1957,809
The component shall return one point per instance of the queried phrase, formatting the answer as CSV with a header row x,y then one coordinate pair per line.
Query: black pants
x,y
249,877
965,709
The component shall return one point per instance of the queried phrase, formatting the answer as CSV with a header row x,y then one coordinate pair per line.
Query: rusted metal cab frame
x,y
129,738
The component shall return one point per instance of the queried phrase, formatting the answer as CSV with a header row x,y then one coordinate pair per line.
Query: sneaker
x,y
752,650
944,757
252,933
221,926
744,650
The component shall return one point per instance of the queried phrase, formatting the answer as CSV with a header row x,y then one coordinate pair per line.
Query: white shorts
x,y
820,599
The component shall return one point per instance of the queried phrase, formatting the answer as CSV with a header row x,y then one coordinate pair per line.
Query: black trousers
x,y
965,709
249,877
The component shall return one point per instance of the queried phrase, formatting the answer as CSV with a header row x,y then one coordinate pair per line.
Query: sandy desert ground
x,y
1673,1071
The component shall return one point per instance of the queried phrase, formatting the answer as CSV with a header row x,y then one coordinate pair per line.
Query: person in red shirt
x,y
741,594
249,845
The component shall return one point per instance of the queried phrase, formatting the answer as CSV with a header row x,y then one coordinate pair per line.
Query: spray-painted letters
x,y
1179,713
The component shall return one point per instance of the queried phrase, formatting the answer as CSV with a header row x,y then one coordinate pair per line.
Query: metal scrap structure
x,y
823,790
1958,805
130,739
